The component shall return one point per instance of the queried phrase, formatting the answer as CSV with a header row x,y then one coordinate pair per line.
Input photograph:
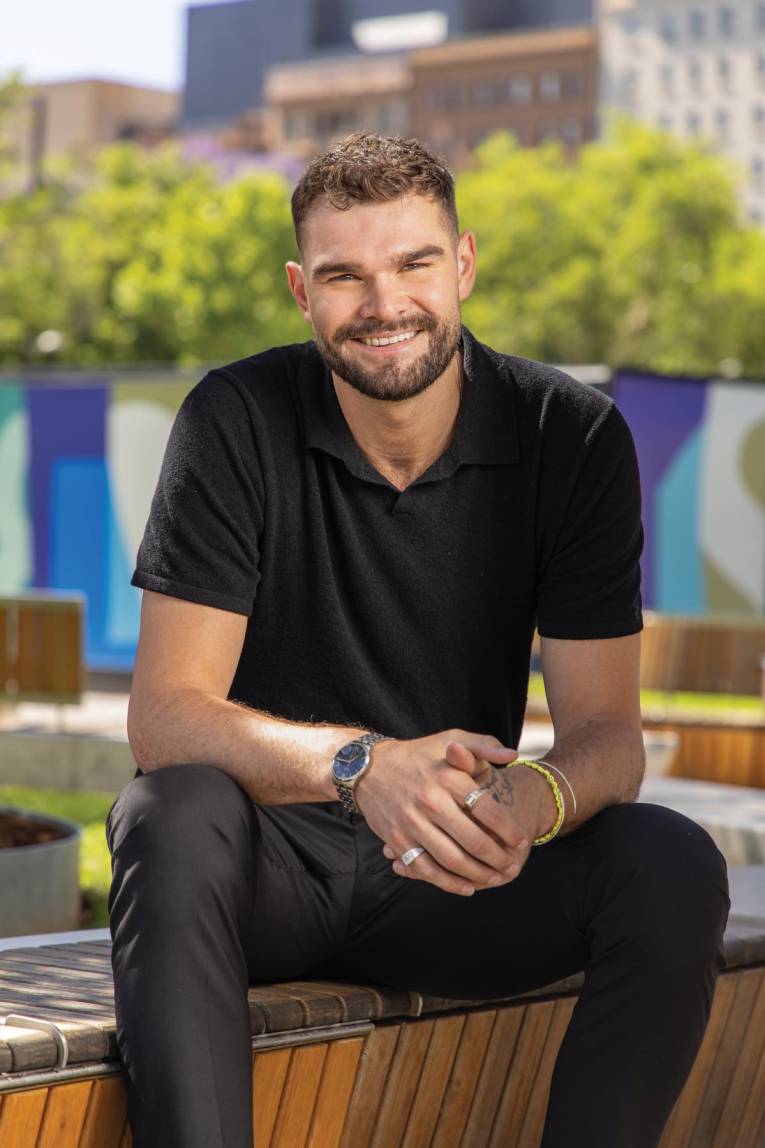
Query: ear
x,y
297,288
466,264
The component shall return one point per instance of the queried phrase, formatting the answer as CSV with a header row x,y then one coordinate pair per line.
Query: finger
x,y
447,852
425,868
476,842
474,758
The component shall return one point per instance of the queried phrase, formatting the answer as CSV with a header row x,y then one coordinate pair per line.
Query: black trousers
x,y
211,891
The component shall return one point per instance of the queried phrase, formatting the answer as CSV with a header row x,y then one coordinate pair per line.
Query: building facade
x,y
695,68
537,85
231,46
79,115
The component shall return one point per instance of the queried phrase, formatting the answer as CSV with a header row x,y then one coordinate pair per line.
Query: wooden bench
x,y
702,654
41,643
363,1066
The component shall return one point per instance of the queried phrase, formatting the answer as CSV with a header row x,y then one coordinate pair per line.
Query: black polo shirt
x,y
405,612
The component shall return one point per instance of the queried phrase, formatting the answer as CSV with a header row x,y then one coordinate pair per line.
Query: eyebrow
x,y
344,266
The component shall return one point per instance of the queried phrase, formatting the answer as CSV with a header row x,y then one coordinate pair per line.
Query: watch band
x,y
345,789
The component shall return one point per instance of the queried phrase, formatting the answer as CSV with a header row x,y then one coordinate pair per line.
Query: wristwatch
x,y
349,764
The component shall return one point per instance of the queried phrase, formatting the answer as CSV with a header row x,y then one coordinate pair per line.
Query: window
x,y
722,123
724,72
758,171
630,23
447,96
520,89
726,21
667,77
668,27
695,74
571,85
545,130
759,17
549,87
665,122
697,24
759,69
758,118
693,123
486,92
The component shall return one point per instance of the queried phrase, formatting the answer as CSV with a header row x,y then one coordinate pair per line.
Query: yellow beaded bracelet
x,y
559,803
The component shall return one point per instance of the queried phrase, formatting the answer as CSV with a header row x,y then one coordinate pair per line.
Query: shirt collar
x,y
486,430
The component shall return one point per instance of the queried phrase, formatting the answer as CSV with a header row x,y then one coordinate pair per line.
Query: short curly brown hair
x,y
369,168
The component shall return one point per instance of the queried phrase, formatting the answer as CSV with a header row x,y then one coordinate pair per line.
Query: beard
x,y
393,381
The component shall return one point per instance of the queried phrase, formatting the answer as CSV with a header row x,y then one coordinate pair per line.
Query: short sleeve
x,y
589,578
202,539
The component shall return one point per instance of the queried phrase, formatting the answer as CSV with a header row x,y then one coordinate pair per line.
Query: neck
x,y
402,439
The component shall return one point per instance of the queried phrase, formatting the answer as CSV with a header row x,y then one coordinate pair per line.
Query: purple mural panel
x,y
661,413
64,423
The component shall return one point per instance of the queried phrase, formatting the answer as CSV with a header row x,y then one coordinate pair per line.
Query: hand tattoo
x,y
500,786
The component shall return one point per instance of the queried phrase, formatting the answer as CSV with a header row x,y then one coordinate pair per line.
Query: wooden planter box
x,y
353,1066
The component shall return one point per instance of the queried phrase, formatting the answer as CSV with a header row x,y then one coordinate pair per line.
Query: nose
x,y
383,300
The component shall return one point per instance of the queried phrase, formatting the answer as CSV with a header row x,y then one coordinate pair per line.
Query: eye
x,y
341,278
413,266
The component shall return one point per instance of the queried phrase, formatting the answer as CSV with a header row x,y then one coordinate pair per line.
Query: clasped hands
x,y
414,794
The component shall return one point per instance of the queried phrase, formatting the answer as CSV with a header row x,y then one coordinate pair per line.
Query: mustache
x,y
369,330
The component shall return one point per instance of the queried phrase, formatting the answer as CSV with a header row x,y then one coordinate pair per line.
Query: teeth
x,y
391,339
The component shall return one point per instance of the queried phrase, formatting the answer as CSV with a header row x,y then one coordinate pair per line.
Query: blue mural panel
x,y
64,423
679,582
662,414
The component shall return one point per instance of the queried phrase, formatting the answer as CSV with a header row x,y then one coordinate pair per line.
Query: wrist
x,y
546,809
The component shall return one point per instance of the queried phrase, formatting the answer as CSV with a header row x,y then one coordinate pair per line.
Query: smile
x,y
387,340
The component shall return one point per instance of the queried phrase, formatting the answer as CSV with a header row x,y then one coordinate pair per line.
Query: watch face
x,y
349,760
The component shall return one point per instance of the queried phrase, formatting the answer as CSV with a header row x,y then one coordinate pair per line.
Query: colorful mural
x,y
80,456
79,460
701,446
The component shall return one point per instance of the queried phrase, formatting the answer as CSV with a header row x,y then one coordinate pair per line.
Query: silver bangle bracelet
x,y
550,765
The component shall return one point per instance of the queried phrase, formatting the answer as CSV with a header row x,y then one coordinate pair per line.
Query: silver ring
x,y
411,855
473,796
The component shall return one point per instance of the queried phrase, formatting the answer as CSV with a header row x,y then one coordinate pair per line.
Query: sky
x,y
135,41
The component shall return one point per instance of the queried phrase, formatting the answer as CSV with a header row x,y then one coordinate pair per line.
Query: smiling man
x,y
350,545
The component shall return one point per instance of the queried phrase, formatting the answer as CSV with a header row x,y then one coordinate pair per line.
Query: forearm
x,y
274,760
603,760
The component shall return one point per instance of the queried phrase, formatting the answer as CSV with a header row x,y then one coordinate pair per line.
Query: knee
x,y
673,876
178,811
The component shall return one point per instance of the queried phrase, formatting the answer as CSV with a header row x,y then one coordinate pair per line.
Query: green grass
x,y
704,703
90,810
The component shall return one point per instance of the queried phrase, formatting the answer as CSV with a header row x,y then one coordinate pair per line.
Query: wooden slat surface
x,y
491,1082
65,1113
463,1081
701,654
293,1120
21,1115
401,1084
334,1095
269,1072
433,1081
374,1065
513,1106
751,1049
106,1116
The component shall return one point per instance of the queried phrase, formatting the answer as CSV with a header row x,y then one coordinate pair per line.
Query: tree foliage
x,y
141,258
633,254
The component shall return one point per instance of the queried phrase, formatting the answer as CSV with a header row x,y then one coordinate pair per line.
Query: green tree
x,y
633,254
141,257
